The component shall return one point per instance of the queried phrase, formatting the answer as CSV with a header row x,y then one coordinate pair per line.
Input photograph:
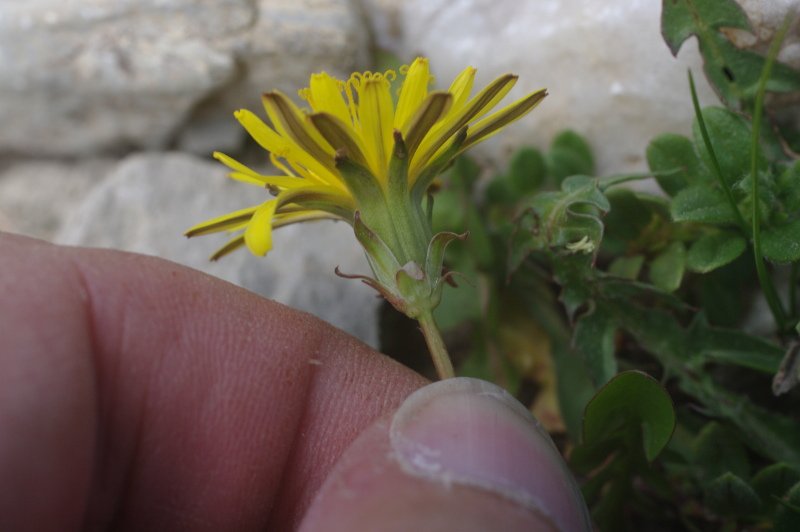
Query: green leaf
x,y
730,137
732,71
628,215
717,451
787,517
666,270
712,251
730,346
680,19
788,188
569,155
594,340
561,219
669,151
626,267
702,203
632,403
782,244
765,431
775,480
527,171
729,495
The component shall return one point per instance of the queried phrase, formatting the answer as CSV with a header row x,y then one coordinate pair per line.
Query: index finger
x,y
138,394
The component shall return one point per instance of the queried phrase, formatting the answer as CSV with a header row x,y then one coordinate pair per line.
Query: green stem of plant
x,y
441,359
764,278
714,162
793,280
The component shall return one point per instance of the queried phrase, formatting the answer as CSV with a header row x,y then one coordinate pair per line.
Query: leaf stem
x,y
436,345
764,278
714,162
614,180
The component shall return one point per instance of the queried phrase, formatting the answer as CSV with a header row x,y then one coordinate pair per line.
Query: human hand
x,y
136,394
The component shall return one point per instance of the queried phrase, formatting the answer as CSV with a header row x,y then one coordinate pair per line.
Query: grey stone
x,y
609,73
77,77
36,196
151,198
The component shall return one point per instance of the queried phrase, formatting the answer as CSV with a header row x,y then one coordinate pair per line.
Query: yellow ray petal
x,y
375,115
221,223
290,121
474,108
233,164
282,147
461,88
413,92
325,95
230,247
284,219
258,235
497,121
281,181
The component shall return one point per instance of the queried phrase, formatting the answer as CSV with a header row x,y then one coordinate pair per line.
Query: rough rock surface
x,y
608,71
149,199
80,76
36,196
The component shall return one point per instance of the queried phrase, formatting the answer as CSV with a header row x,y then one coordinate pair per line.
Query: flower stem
x,y
761,269
436,346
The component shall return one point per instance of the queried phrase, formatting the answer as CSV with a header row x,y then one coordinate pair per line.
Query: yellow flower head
x,y
356,154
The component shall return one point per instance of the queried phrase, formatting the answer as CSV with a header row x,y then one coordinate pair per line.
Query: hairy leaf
x,y
712,251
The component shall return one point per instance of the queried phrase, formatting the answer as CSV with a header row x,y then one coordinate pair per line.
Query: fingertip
x,y
460,454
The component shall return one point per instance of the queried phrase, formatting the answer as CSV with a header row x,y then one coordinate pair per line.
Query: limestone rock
x,y
610,75
36,196
149,199
79,76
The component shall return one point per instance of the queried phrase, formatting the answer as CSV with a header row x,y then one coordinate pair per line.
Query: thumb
x,y
459,454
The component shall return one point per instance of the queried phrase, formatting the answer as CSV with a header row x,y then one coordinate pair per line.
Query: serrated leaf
x,y
702,203
666,269
733,72
594,340
669,151
729,495
631,402
569,155
680,19
712,251
782,244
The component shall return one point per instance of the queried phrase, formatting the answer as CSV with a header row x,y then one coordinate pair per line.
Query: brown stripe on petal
x,y
493,123
296,128
230,247
338,136
430,111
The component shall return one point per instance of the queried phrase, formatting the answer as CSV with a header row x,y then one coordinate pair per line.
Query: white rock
x,y
610,75
78,76
150,199
36,196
